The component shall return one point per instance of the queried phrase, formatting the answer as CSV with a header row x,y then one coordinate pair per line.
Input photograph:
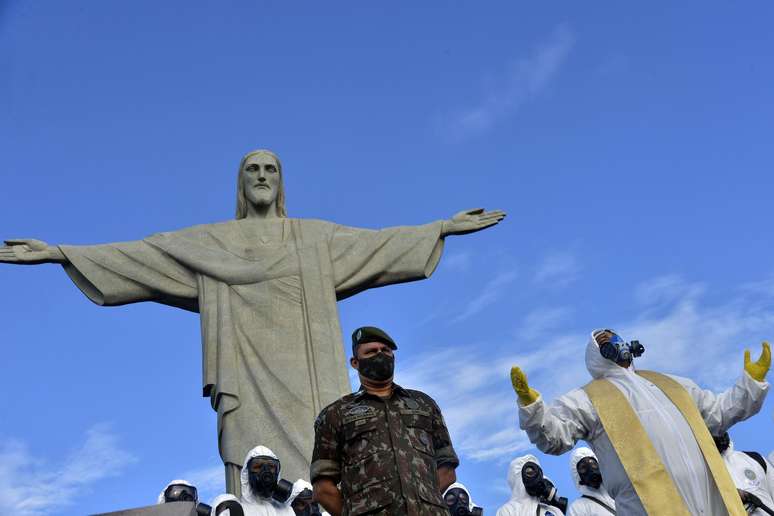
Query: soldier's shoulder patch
x,y
359,410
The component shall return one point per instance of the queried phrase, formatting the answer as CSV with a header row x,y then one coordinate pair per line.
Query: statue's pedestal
x,y
165,509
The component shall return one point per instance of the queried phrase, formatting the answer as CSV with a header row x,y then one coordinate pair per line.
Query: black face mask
x,y
588,471
379,367
722,442
180,493
264,481
532,477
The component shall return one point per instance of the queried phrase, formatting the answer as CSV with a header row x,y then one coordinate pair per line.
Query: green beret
x,y
370,334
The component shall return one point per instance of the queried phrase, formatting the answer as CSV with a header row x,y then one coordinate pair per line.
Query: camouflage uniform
x,y
385,452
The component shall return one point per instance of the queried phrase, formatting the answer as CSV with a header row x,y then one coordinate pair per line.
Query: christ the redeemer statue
x,y
265,287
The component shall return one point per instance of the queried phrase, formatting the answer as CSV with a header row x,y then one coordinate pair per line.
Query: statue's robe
x,y
266,292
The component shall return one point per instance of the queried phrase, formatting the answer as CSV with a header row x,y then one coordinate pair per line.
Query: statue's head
x,y
259,185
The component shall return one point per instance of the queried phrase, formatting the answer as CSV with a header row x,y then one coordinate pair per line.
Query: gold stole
x,y
642,464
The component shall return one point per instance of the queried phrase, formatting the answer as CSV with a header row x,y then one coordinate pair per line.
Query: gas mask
x,y
184,493
618,350
588,471
532,477
264,479
553,497
180,493
540,487
304,506
458,502
379,367
722,442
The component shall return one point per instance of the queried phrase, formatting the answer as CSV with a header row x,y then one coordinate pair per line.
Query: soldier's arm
x,y
445,457
326,461
328,495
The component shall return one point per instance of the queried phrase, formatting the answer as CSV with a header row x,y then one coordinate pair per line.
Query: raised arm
x,y
553,429
28,251
743,400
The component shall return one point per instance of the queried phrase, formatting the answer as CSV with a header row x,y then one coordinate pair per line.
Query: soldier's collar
x,y
396,389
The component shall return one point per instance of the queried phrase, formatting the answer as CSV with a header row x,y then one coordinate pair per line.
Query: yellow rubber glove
x,y
527,395
758,369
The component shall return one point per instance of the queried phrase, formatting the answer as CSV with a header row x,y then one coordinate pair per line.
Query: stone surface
x,y
166,509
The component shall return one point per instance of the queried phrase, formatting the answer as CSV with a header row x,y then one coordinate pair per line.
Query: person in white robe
x,y
659,445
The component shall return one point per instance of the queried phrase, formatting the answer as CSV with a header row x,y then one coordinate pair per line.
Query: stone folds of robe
x,y
266,292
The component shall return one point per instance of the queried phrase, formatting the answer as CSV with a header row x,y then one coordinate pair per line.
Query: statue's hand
x,y
28,251
470,221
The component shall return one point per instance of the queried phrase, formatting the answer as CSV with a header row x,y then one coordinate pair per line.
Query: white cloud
x,y
666,289
30,486
540,321
704,342
209,481
524,79
557,270
488,295
457,261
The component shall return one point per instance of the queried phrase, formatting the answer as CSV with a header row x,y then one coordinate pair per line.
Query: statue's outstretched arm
x,y
470,221
28,251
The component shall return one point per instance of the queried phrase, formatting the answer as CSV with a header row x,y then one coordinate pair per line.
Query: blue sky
x,y
630,146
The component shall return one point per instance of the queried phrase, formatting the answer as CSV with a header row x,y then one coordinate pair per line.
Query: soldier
x,y
387,446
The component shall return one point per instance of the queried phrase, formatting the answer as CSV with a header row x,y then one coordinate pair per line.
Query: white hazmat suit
x,y
253,504
584,506
749,476
556,428
521,503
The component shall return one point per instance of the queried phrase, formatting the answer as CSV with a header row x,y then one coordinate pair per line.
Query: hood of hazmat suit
x,y
219,500
298,486
557,427
253,504
160,498
584,506
749,476
521,503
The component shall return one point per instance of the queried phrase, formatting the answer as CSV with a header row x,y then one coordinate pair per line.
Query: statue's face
x,y
261,180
